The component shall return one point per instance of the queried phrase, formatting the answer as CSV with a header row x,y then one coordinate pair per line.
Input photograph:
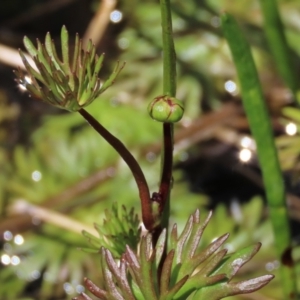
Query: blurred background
x,y
57,176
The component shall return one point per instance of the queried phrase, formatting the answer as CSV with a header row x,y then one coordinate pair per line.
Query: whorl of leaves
x,y
119,228
186,270
71,82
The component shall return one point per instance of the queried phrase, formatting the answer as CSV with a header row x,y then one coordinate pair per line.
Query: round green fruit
x,y
166,109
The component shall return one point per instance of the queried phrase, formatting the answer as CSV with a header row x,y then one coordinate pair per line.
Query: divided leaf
x,y
68,83
119,228
154,273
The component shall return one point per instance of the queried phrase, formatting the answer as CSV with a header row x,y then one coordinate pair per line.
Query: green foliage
x,y
183,271
283,56
260,125
289,144
62,140
47,251
69,84
118,230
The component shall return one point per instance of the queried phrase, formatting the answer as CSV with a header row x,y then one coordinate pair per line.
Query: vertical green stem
x,y
169,55
169,88
278,45
260,125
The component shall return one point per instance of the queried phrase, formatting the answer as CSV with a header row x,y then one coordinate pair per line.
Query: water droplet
x,y
116,16
5,259
247,142
269,266
69,289
230,86
123,43
35,275
272,265
151,156
18,239
245,155
15,260
36,175
291,129
79,289
7,235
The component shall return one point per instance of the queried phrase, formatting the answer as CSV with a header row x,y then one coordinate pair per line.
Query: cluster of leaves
x,y
66,84
117,231
183,271
246,229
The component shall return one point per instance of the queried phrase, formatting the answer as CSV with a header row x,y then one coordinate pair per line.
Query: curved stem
x,y
147,215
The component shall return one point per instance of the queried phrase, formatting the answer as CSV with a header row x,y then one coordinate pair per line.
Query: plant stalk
x,y
260,125
169,88
146,203
278,45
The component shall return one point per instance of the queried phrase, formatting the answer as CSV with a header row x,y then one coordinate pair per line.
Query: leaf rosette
x,y
70,83
185,272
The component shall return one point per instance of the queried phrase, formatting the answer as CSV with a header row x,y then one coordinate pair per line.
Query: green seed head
x,y
166,109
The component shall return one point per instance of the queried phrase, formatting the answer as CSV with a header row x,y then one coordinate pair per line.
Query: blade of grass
x,y
278,44
259,121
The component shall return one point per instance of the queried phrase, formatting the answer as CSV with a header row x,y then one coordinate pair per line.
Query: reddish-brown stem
x,y
166,176
165,185
147,215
